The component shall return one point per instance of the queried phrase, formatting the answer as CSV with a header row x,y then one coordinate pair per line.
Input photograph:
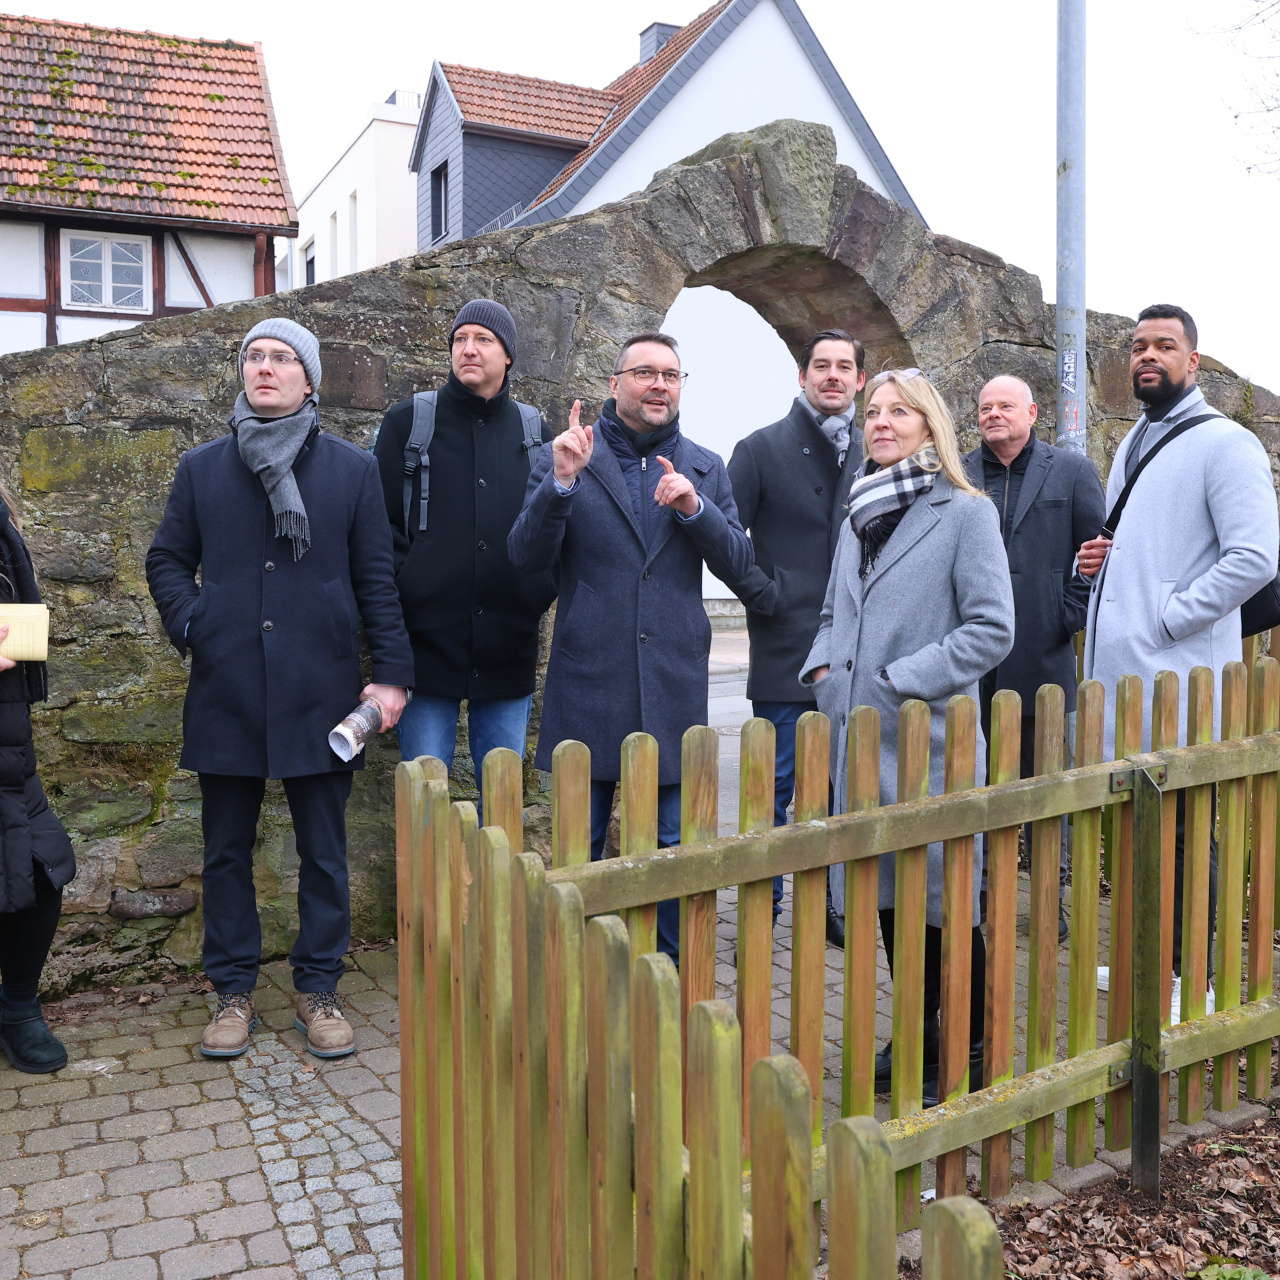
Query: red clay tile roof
x,y
633,86
138,125
523,102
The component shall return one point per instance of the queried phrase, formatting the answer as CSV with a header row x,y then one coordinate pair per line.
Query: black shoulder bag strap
x,y
415,455
1113,516
531,426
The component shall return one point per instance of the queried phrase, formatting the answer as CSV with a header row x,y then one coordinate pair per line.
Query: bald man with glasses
x,y
628,510
1046,499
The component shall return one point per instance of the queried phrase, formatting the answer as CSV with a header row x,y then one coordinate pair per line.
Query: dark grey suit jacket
x,y
632,637
1060,506
790,492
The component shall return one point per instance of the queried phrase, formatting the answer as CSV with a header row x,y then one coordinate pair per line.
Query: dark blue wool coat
x,y
275,643
632,637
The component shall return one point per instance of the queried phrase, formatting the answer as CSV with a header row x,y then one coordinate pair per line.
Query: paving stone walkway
x,y
143,1160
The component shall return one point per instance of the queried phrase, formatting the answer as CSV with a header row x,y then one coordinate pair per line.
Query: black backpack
x,y
424,427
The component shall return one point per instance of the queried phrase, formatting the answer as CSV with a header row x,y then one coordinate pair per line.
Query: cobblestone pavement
x,y
143,1160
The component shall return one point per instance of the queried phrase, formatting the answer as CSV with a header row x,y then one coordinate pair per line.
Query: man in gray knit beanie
x,y
273,550
304,343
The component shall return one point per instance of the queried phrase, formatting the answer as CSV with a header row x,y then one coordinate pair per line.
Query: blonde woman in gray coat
x,y
918,605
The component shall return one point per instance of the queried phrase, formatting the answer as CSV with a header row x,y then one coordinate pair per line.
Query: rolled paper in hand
x,y
347,739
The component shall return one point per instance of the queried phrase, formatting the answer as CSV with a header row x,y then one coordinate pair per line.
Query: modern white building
x,y
494,149
361,213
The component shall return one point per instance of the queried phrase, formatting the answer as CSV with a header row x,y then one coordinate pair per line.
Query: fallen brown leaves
x,y
1220,1203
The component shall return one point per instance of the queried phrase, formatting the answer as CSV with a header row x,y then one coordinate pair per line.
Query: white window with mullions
x,y
106,272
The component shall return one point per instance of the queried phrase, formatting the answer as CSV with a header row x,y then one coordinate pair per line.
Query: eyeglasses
x,y
281,359
646,377
903,375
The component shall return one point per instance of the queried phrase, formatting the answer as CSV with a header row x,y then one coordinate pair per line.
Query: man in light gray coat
x,y
1197,538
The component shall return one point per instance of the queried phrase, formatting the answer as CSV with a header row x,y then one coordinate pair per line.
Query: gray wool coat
x,y
935,614
632,638
1198,537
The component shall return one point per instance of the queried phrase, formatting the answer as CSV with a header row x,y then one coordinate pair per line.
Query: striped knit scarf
x,y
880,498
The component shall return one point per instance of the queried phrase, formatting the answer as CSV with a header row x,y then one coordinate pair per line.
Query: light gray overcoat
x,y
936,614
1198,537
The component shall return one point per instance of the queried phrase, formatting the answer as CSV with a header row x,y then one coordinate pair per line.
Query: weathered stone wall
x,y
90,435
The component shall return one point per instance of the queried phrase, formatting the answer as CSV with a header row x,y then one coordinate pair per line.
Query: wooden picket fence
x,y
573,1107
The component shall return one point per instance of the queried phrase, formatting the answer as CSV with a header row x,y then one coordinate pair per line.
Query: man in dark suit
x,y
1047,499
628,510
790,481
287,527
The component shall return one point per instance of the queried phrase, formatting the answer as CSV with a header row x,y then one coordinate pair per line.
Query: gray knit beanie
x,y
494,317
305,344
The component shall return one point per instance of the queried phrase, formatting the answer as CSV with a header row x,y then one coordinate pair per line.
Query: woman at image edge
x,y
918,605
36,860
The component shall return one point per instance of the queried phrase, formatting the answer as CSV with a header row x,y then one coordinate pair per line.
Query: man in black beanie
x,y
455,464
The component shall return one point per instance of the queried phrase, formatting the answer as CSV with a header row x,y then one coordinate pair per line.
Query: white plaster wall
x,y
78,328
759,74
376,167
396,192
21,262
225,264
179,288
21,330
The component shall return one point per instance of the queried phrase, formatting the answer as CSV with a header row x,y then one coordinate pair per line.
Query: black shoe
x,y
28,1043
1064,929
835,927
930,1098
884,1059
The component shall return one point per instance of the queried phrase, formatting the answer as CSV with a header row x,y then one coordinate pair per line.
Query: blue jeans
x,y
783,716
429,727
668,835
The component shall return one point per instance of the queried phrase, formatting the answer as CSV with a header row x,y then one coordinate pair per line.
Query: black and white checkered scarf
x,y
880,498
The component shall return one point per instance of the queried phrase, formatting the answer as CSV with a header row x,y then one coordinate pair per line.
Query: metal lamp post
x,y
1073,376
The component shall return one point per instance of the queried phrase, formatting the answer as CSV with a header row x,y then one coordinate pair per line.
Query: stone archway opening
x,y
741,325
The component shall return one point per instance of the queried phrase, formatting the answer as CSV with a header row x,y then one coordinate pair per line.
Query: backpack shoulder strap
x,y
531,422
416,457
1113,516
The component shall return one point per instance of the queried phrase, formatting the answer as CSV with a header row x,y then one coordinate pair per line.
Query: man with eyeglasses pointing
x,y
286,526
628,510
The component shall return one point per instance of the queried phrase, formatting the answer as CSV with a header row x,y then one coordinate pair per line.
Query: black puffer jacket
x,y
29,830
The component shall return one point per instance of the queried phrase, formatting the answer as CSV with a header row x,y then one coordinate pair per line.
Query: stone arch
x,y
798,291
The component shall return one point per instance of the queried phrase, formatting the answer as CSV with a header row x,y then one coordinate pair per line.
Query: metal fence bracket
x,y
1121,780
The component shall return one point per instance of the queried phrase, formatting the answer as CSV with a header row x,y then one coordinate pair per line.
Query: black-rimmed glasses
x,y
646,377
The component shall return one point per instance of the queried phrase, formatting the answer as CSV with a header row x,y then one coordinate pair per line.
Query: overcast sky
x,y
961,97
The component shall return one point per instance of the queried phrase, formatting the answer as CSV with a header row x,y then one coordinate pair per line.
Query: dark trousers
x,y
232,933
668,835
933,973
783,717
1177,882
25,939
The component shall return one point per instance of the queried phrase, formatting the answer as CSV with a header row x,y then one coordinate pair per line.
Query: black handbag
x,y
1261,611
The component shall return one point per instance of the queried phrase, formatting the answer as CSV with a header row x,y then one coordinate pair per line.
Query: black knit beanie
x,y
494,317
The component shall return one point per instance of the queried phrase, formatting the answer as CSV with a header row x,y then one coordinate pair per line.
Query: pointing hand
x,y
571,449
675,490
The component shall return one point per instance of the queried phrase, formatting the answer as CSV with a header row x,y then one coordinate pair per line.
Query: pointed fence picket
x,y
574,1106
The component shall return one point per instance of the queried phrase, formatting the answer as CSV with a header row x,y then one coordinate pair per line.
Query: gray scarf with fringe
x,y
268,447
